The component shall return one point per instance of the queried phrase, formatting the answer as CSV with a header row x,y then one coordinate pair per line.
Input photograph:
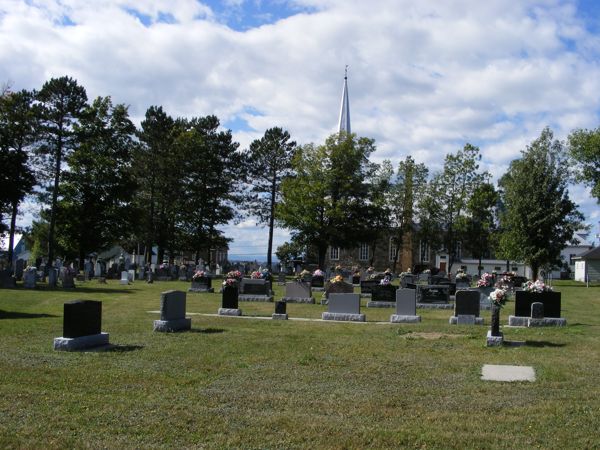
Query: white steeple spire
x,y
344,124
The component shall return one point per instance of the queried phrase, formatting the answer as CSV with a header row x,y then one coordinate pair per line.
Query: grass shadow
x,y
22,315
116,348
97,290
207,330
543,344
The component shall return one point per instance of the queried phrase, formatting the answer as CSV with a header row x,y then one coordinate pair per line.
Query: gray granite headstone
x,y
537,310
467,303
297,289
67,280
29,278
406,302
172,312
52,277
124,277
344,303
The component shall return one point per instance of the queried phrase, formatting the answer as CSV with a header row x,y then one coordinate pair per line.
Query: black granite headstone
x,y
230,297
431,293
317,282
255,287
280,307
524,299
467,303
355,279
82,318
366,286
383,293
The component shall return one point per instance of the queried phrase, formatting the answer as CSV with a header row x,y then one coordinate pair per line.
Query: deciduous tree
x,y
539,217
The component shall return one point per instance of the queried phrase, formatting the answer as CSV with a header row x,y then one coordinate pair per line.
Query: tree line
x,y
172,182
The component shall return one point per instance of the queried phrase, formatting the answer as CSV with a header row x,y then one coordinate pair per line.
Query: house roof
x,y
593,253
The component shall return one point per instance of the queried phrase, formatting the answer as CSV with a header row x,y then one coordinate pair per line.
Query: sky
x,y
424,78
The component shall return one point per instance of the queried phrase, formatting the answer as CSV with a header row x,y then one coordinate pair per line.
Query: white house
x,y
576,247
587,265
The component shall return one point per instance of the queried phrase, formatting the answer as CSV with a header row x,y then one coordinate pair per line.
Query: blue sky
x,y
425,77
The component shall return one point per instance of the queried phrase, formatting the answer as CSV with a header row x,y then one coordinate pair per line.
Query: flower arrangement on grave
x,y
385,281
498,297
198,274
305,273
164,266
337,279
370,269
461,275
537,287
256,275
428,271
318,273
230,282
338,268
234,274
486,280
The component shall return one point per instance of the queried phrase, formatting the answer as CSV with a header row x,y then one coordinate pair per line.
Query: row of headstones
x,y
82,319
32,276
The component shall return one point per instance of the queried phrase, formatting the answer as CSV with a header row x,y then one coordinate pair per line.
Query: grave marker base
x,y
309,300
210,290
381,304
494,341
275,316
435,305
80,343
520,321
343,317
255,298
396,318
466,320
173,325
230,312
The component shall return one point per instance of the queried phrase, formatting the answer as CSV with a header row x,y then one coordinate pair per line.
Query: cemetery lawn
x,y
246,383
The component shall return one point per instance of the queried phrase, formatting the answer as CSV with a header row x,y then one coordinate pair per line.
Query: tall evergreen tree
x,y
153,168
17,133
62,103
269,162
211,183
97,190
539,217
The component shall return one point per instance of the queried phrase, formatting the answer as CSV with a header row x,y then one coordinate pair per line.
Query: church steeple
x,y
344,124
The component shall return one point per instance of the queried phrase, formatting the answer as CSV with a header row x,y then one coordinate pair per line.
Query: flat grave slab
x,y
492,372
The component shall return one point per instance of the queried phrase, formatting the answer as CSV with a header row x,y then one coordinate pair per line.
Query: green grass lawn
x,y
242,383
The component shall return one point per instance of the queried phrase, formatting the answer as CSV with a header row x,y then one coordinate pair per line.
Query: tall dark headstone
x,y
230,297
551,301
82,318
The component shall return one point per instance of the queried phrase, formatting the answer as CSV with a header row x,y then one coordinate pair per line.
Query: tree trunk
x,y
58,158
534,271
271,225
11,239
322,251
81,258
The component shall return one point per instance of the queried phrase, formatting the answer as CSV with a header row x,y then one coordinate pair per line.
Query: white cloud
x,y
425,77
